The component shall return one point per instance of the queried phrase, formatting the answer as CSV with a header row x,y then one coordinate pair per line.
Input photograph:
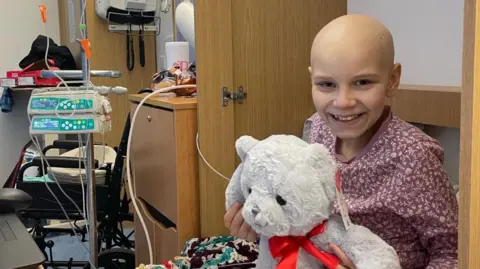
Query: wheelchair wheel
x,y
115,258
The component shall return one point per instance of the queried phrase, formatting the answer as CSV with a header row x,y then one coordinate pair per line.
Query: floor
x,y
66,247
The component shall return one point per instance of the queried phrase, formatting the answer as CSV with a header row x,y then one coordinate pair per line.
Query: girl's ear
x,y
394,80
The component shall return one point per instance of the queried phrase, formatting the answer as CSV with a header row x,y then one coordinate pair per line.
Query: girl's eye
x,y
362,82
326,84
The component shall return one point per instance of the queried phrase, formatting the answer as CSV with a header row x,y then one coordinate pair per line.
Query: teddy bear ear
x,y
244,144
316,154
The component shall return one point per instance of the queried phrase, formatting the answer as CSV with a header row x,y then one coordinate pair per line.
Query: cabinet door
x,y
263,46
271,55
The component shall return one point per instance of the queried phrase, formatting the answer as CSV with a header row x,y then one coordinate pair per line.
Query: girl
x,y
391,172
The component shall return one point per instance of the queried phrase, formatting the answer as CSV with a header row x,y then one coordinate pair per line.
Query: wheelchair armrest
x,y
70,144
62,162
67,144
13,200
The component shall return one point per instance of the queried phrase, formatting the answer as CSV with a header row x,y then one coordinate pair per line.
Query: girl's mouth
x,y
346,118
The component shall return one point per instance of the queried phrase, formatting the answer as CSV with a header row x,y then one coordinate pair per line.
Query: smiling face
x,y
352,74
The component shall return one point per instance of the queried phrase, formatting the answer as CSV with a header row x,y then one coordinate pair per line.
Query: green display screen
x,y
64,104
63,125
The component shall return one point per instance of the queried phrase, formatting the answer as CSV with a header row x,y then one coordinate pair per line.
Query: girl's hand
x,y
238,227
345,262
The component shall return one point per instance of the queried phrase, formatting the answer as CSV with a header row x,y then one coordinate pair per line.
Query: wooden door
x,y
271,55
469,217
264,47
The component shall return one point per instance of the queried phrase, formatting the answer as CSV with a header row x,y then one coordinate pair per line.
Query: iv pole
x,y
91,191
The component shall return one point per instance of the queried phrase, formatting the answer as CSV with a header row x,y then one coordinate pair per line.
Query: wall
x,y
21,24
428,36
166,34
180,36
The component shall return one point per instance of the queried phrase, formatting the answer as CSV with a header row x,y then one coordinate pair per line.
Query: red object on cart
x,y
30,76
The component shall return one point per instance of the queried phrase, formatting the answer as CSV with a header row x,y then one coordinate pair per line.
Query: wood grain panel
x,y
272,42
188,223
167,246
213,43
469,215
433,105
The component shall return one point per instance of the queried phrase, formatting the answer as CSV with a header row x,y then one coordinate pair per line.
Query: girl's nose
x,y
344,99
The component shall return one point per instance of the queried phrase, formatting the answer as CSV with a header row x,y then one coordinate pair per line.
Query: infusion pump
x,y
64,111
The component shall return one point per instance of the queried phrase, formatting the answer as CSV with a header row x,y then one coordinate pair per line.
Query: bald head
x,y
352,35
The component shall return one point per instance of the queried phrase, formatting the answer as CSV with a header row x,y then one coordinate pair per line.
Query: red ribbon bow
x,y
287,248
167,265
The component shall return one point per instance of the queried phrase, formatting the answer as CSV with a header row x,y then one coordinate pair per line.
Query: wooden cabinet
x,y
165,166
263,47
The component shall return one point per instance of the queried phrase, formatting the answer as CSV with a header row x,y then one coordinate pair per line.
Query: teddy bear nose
x,y
255,211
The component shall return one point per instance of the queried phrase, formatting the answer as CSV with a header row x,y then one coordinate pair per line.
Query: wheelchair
x,y
115,248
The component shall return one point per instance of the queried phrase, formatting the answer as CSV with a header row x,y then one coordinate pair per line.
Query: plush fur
x,y
287,187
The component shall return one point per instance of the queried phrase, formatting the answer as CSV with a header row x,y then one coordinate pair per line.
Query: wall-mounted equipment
x,y
132,18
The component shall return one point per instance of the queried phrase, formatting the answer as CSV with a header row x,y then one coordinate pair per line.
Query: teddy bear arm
x,y
367,250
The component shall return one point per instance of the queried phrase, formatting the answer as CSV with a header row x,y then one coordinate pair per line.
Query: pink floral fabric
x,y
397,187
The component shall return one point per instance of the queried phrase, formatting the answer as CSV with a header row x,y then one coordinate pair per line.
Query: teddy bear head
x,y
286,185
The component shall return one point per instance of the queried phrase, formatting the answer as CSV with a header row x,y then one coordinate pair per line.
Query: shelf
x,y
432,105
15,89
166,102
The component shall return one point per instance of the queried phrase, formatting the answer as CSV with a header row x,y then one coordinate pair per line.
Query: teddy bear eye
x,y
249,190
280,200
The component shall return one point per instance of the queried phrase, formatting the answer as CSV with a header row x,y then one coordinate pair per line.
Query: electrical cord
x,y
206,162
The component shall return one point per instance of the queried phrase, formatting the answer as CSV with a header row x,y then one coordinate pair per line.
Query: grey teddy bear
x,y
287,187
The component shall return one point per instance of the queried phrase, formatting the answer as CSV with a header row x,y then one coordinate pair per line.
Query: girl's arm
x,y
427,200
